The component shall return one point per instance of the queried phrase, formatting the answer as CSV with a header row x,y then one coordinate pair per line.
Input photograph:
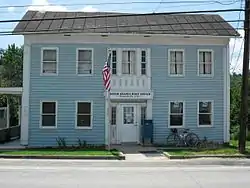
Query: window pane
x,y
84,108
208,69
176,107
84,68
176,68
172,56
49,67
113,116
143,56
179,57
143,114
2,114
49,108
128,62
84,55
205,107
83,120
113,68
205,119
176,120
128,115
49,55
48,120
208,57
113,56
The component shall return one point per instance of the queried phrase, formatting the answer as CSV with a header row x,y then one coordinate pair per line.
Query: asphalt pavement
x,y
207,173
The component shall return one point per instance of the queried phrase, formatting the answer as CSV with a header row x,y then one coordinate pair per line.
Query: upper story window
x,y
205,60
114,61
129,62
49,61
176,62
143,62
84,61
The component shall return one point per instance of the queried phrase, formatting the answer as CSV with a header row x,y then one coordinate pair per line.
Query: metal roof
x,y
105,22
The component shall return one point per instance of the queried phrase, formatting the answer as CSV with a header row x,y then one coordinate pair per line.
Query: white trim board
x,y
126,39
11,90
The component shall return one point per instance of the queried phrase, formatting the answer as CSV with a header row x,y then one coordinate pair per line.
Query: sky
x,y
11,11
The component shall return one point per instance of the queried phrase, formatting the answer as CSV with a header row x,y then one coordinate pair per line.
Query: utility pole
x,y
244,89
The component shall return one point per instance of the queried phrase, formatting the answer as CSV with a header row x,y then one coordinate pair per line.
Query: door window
x,y
128,115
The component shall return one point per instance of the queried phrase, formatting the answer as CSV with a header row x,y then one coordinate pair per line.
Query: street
x,y
65,174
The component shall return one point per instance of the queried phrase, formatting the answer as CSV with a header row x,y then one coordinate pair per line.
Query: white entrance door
x,y
129,128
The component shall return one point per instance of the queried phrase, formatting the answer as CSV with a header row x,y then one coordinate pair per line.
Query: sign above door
x,y
131,95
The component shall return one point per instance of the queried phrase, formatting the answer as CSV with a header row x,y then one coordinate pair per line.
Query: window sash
x,y
49,61
207,114
85,114
84,64
205,62
176,61
113,115
176,115
129,62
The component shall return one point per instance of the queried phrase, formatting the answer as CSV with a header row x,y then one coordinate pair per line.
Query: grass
x,y
231,150
60,152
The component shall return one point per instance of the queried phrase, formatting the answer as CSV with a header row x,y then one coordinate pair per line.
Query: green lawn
x,y
60,152
232,149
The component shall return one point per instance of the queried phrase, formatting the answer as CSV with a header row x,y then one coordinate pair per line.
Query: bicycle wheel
x,y
192,139
173,140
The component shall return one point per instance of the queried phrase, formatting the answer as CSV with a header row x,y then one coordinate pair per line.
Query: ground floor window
x,y
176,113
49,113
84,115
205,113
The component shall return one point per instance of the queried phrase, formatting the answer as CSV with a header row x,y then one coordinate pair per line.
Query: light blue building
x,y
173,69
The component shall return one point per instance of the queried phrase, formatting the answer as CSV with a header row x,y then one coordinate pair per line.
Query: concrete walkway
x,y
15,144
140,153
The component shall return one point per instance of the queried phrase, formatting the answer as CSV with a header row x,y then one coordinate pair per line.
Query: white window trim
x,y
92,56
169,62
57,61
169,113
198,63
91,118
41,113
212,113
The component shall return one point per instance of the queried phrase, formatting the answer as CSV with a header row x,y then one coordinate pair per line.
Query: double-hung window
x,y
83,115
176,114
176,62
205,60
48,114
205,112
84,61
129,62
114,62
49,62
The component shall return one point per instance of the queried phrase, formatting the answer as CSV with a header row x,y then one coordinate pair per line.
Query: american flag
x,y
106,74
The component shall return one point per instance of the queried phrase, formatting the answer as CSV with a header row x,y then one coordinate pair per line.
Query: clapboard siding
x,y
189,89
67,87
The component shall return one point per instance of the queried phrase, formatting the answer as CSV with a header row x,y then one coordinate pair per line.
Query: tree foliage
x,y
11,72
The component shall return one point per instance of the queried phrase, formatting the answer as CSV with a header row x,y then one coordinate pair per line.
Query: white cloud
x,y
236,53
44,5
89,9
11,9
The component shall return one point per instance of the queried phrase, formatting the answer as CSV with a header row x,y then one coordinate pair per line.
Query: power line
x,y
241,5
120,3
122,15
239,54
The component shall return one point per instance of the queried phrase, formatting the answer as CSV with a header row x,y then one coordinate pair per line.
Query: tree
x,y
11,72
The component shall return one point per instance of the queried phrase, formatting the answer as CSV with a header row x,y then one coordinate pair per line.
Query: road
x,y
113,174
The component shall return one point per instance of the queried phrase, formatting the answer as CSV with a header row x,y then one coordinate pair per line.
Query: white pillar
x,y
25,95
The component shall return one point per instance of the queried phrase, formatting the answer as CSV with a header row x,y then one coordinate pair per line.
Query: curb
x,y
114,157
203,156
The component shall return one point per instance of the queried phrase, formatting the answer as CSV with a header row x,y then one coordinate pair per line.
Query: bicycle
x,y
185,138
205,144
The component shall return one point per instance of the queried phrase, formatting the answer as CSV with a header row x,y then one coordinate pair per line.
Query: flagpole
x,y
108,108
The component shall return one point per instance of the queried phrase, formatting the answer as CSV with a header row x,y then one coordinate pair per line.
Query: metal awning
x,y
11,90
